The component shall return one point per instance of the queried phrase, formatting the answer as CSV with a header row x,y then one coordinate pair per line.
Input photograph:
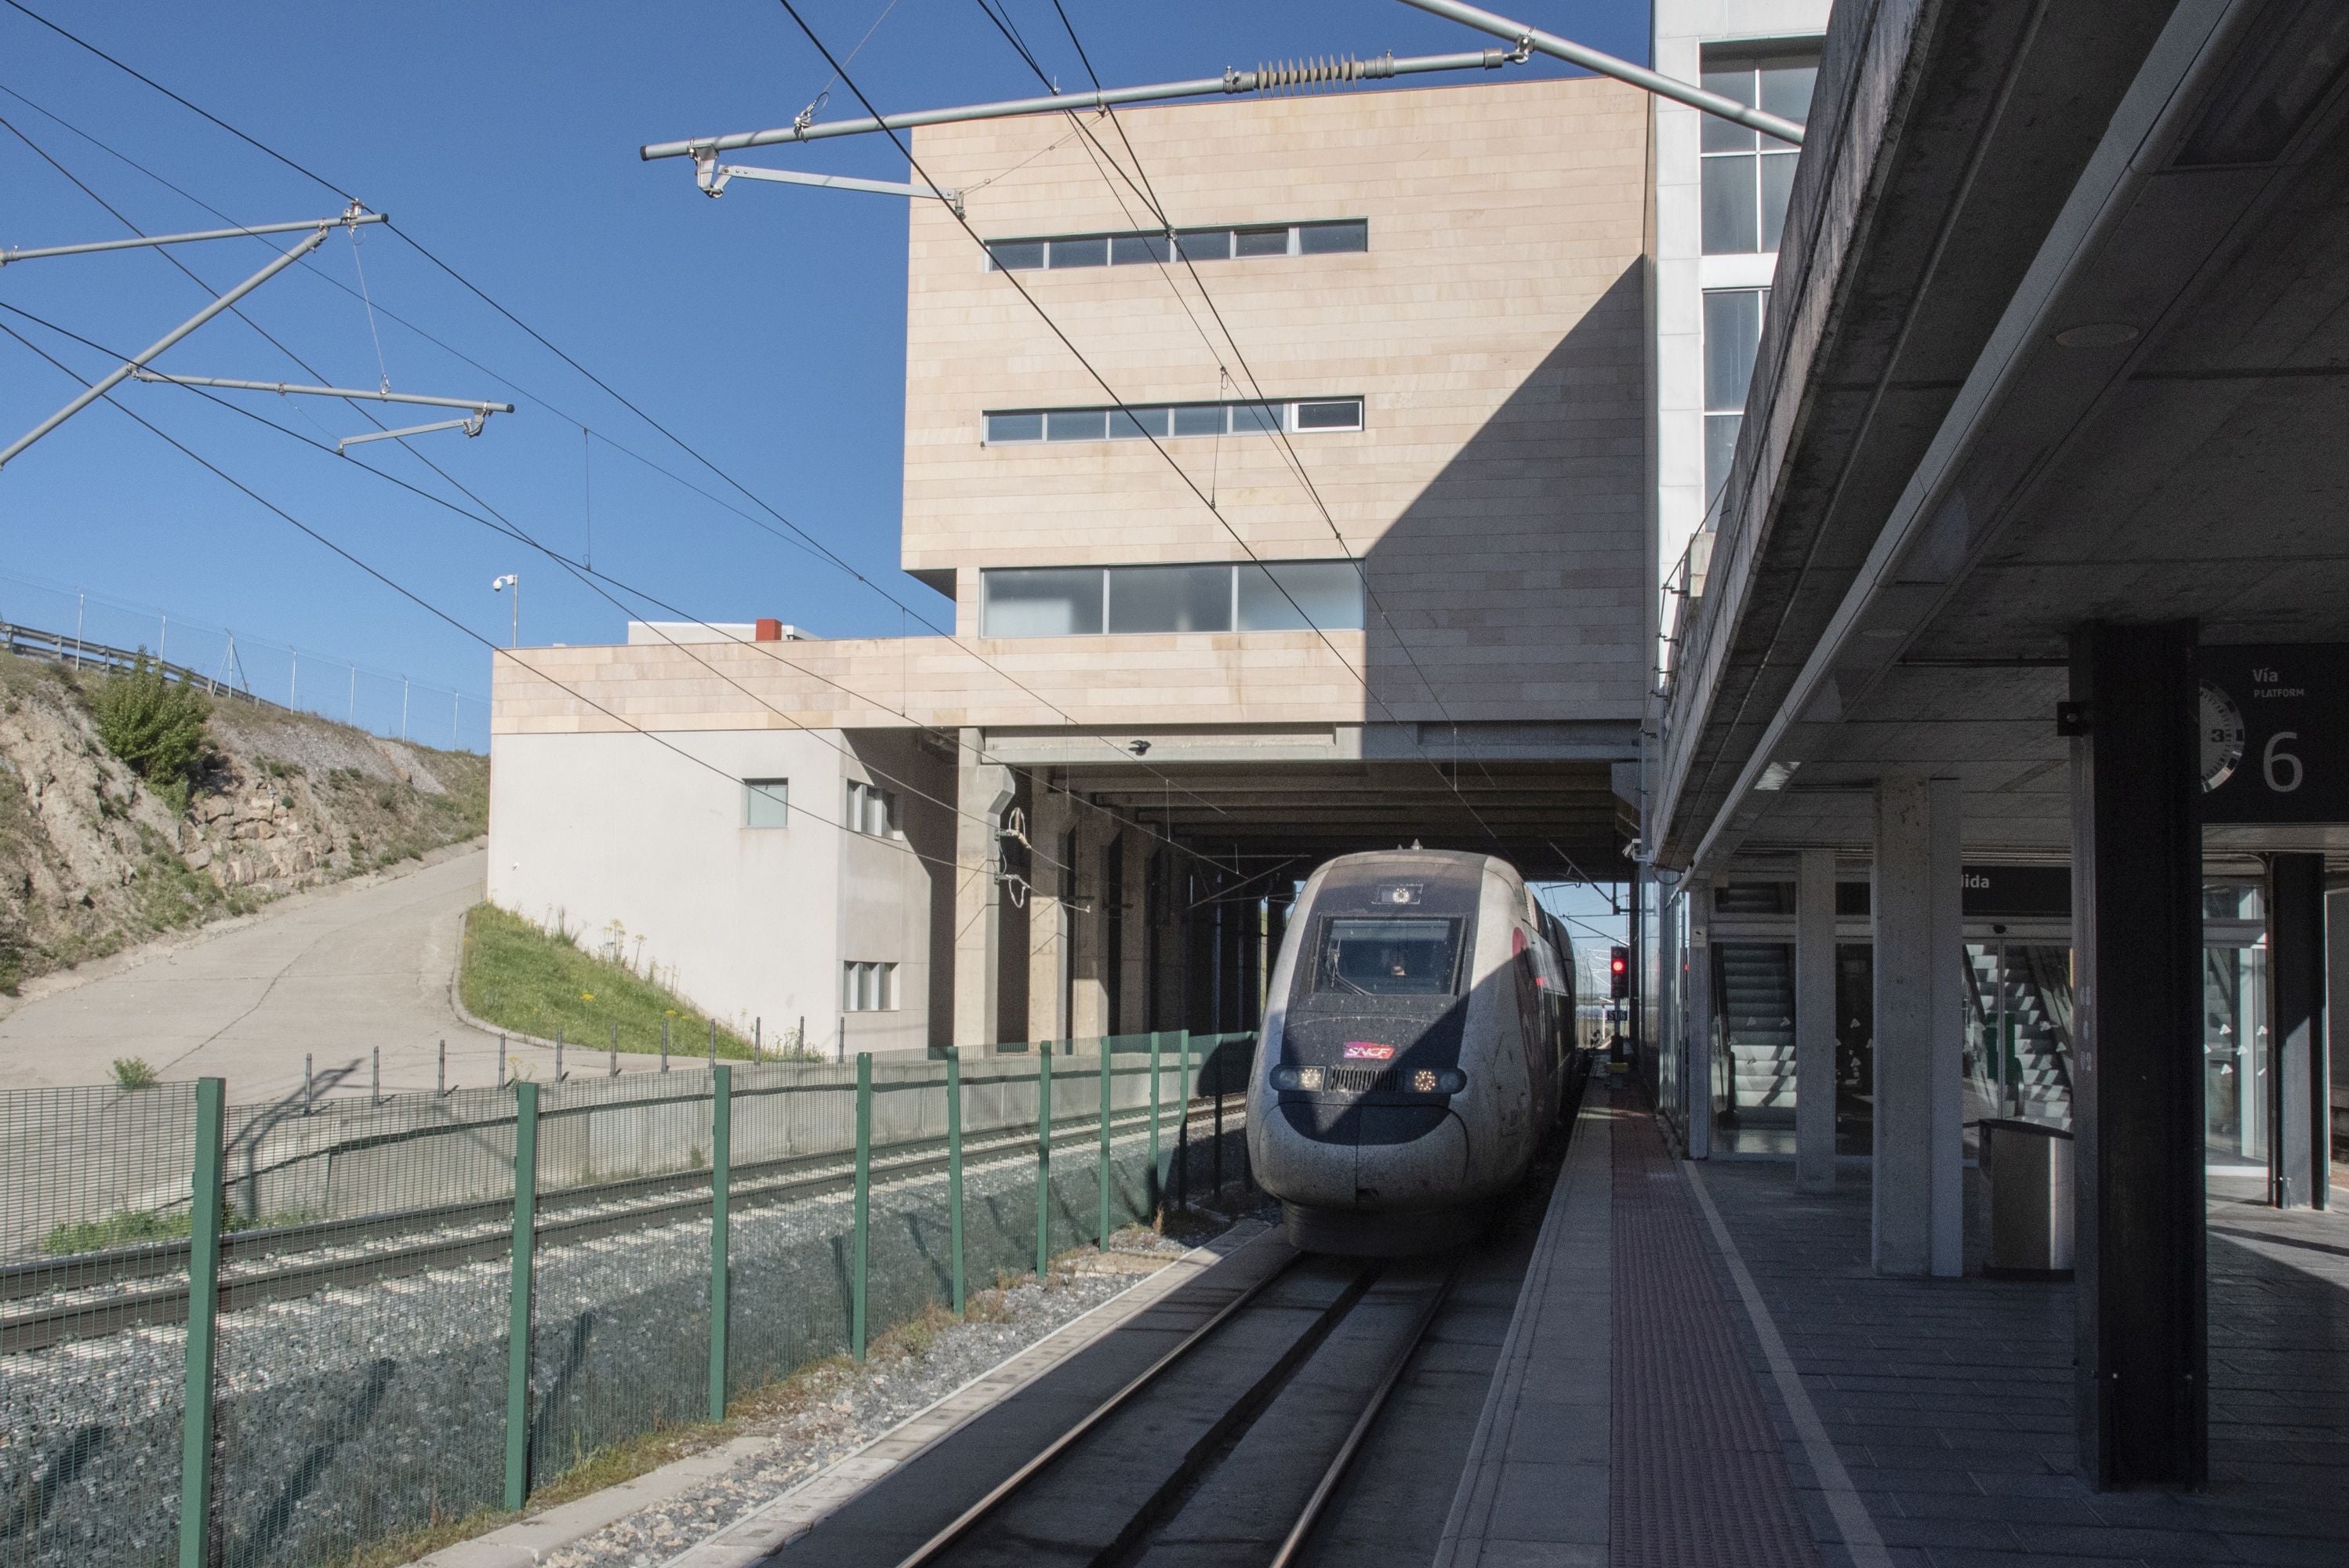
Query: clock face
x,y
2222,737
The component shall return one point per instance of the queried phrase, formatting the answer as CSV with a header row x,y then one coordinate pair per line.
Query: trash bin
x,y
2030,1167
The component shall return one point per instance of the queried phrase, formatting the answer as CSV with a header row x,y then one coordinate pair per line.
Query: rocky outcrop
x,y
91,859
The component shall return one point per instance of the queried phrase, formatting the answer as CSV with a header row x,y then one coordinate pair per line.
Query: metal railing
x,y
58,647
339,1327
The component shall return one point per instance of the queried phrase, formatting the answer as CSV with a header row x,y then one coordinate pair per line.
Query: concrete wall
x,y
589,828
1493,328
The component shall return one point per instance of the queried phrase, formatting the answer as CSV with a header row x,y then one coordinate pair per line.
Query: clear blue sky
x,y
765,329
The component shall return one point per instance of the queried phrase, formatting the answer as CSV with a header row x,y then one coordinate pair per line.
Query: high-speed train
x,y
1414,1049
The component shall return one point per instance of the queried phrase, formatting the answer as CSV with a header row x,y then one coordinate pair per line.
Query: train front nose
x,y
1338,1151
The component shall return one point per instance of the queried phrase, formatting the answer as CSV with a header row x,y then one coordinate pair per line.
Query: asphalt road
x,y
338,973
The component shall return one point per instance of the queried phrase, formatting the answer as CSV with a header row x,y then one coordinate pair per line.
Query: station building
x,y
1327,528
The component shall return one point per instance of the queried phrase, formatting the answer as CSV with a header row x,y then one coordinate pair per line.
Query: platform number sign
x,y
2275,733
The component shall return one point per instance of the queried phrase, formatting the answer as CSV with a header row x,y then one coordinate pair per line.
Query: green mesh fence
x,y
363,1378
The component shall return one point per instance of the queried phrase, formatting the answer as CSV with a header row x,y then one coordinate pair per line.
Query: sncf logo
x,y
1368,1051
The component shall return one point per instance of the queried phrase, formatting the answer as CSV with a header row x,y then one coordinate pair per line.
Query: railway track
x,y
1230,1445
292,1262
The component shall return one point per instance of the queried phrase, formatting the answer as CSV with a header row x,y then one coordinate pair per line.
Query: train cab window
x,y
1379,956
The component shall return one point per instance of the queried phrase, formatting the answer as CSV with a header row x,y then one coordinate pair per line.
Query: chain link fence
x,y
256,1335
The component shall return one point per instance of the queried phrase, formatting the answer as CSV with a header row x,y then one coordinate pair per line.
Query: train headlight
x,y
1297,1077
1308,1078
1423,1080
1439,1080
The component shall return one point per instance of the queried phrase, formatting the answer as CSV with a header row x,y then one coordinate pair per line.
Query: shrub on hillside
x,y
156,726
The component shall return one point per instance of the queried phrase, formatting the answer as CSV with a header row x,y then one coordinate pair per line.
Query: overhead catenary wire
x,y
822,551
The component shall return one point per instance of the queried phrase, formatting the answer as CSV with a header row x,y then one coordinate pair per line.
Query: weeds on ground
x,y
156,726
130,1227
521,978
133,1072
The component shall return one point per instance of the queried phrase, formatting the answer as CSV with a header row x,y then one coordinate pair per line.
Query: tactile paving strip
x,y
1698,1478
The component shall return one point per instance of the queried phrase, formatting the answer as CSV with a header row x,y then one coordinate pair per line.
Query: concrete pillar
x,y
983,789
2141,1354
1135,979
1700,1024
1920,1216
1089,925
1047,916
1815,1021
2299,1136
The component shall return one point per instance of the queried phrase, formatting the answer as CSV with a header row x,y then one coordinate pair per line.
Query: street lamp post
x,y
512,579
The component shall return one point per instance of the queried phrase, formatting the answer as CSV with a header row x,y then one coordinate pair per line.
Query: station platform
x,y
1710,1353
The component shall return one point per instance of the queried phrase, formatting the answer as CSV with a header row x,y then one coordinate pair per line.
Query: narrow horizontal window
x,y
1249,597
1057,252
766,802
1311,415
1331,239
1014,427
1340,414
868,987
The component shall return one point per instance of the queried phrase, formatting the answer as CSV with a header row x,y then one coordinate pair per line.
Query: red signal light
x,y
1619,970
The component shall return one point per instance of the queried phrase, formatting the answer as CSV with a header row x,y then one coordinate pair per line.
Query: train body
x,y
1417,1030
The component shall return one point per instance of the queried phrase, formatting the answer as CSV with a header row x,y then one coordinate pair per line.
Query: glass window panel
x,y
1200,419
1016,255
1076,425
1282,596
1260,242
1092,251
1258,419
1205,245
1733,331
1723,135
1732,214
1014,427
1329,239
1040,602
1126,250
1720,450
1133,424
1380,957
1342,414
1787,93
766,802
1170,598
1777,180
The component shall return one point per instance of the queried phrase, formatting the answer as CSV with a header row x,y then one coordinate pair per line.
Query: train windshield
x,y
1386,957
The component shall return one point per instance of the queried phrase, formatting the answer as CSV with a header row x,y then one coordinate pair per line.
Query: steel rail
x,y
1326,1487
98,1319
937,1546
80,1271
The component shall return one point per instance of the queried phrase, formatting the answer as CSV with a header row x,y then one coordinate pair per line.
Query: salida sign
x,y
2274,748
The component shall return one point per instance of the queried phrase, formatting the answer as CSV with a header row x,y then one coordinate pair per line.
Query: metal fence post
x,y
616,1051
525,1242
502,1061
1106,1083
1043,1158
713,1045
558,1053
1215,1060
721,1168
375,1079
864,1196
1183,1129
203,1304
953,1165
1151,1188
664,1045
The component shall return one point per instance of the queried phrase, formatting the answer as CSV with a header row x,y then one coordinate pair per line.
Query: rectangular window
x,y
1072,601
766,802
1315,416
1337,237
1290,596
868,987
1170,598
1333,239
1040,602
1747,176
1089,252
871,810
1383,956
1002,427
1341,414
1733,335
